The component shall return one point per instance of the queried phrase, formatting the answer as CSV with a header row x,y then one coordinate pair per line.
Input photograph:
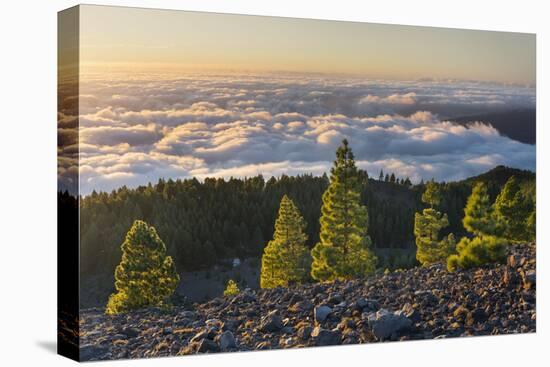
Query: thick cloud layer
x,y
137,129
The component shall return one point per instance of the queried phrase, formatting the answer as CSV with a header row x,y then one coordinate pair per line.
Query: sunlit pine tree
x,y
146,276
286,258
344,248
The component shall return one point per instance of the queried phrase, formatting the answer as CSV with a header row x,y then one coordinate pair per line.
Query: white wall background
x,y
28,180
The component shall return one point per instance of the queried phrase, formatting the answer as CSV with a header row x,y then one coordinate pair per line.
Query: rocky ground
x,y
420,303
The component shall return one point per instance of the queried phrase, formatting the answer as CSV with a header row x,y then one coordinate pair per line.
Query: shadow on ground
x,y
48,345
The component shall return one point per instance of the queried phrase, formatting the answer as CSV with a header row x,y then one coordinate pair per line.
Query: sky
x,y
177,39
170,94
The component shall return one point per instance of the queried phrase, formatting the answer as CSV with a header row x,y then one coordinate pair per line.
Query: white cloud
x,y
115,135
406,99
330,137
134,131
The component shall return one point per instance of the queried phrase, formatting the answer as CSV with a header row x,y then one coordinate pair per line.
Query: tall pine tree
x,y
429,249
145,276
344,248
286,258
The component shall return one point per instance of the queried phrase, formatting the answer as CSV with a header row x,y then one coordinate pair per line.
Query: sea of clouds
x,y
136,129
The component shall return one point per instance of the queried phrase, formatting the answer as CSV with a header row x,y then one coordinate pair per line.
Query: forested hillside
x,y
204,222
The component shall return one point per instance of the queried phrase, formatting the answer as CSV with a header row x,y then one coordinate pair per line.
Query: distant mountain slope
x,y
519,125
501,174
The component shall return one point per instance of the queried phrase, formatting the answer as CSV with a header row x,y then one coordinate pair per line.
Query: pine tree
x,y
343,251
145,276
286,258
486,246
381,177
478,214
392,178
429,249
231,289
476,252
512,210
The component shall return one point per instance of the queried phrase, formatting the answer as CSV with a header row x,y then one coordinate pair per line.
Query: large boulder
x,y
321,313
385,324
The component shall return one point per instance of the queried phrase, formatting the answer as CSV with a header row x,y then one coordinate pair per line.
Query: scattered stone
x,y
425,303
426,297
271,322
230,325
130,332
461,313
207,346
287,330
304,332
510,277
346,324
321,313
411,313
529,279
367,304
92,352
263,346
384,323
301,306
335,298
246,296
513,260
478,315
205,334
324,337
187,314
227,341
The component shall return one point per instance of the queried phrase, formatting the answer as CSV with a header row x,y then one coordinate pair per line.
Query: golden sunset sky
x,y
135,38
